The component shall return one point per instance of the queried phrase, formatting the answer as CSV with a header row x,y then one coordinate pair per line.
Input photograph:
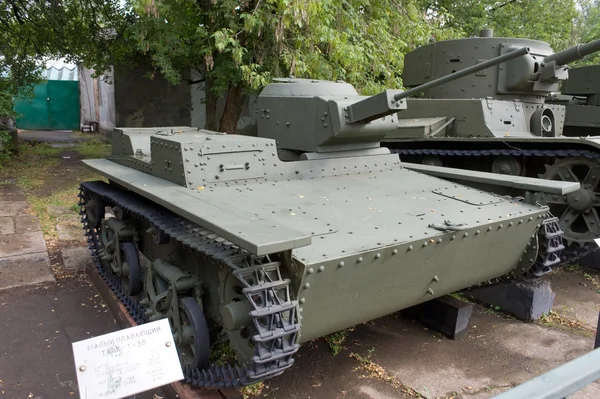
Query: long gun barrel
x,y
386,103
574,53
464,72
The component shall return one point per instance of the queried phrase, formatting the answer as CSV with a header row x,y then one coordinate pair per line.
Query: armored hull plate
x,y
386,208
368,236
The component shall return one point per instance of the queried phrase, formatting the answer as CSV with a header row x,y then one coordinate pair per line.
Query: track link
x,y
274,315
571,253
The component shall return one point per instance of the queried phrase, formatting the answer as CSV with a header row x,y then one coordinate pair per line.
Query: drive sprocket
x,y
579,212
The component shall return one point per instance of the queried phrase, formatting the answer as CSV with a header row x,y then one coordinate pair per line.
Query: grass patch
x,y
592,280
378,372
221,352
5,147
49,183
581,271
252,391
555,320
92,149
43,209
459,296
336,341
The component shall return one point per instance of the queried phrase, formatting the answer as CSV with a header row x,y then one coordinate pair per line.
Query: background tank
x,y
245,249
580,95
498,121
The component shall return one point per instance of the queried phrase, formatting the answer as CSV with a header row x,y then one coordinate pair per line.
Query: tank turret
x,y
534,75
580,95
498,120
314,116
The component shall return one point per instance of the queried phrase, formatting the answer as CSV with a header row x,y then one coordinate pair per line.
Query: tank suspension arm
x,y
464,72
574,53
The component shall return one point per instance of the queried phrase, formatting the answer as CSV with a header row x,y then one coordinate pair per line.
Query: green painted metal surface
x,y
54,106
63,106
32,113
499,120
339,217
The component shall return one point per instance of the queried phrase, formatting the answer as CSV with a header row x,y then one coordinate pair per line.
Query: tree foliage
x,y
551,21
236,46
35,30
588,27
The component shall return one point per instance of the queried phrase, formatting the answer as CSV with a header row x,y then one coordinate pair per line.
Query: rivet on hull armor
x,y
466,235
341,264
378,255
430,291
410,248
359,260
436,278
425,244
306,286
302,300
321,268
310,271
395,252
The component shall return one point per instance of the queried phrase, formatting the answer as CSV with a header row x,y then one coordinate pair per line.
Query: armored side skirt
x,y
344,292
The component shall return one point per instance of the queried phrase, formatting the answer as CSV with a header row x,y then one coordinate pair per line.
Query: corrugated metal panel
x,y
59,70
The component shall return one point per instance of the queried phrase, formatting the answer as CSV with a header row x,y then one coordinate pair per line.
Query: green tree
x,y
35,30
588,27
237,46
552,21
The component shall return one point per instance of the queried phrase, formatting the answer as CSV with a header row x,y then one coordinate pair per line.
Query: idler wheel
x,y
432,160
94,210
238,326
579,211
507,165
192,335
130,269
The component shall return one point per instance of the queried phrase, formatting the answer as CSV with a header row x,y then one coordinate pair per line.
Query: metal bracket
x,y
439,129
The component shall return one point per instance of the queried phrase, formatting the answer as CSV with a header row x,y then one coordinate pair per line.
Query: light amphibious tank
x,y
219,235
580,95
498,121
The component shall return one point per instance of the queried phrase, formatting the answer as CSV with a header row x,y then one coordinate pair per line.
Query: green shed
x,y
55,104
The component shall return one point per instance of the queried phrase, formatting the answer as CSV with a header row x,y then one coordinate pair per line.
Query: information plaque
x,y
127,362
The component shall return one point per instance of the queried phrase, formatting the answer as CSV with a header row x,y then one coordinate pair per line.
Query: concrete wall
x,y
246,124
97,99
141,102
127,98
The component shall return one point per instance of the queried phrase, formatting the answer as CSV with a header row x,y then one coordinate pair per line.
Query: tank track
x,y
275,342
570,254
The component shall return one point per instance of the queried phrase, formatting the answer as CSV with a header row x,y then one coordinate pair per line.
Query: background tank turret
x,y
312,117
262,254
580,95
498,121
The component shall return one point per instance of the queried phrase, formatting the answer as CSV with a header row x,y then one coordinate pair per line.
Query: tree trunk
x,y
210,104
232,110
